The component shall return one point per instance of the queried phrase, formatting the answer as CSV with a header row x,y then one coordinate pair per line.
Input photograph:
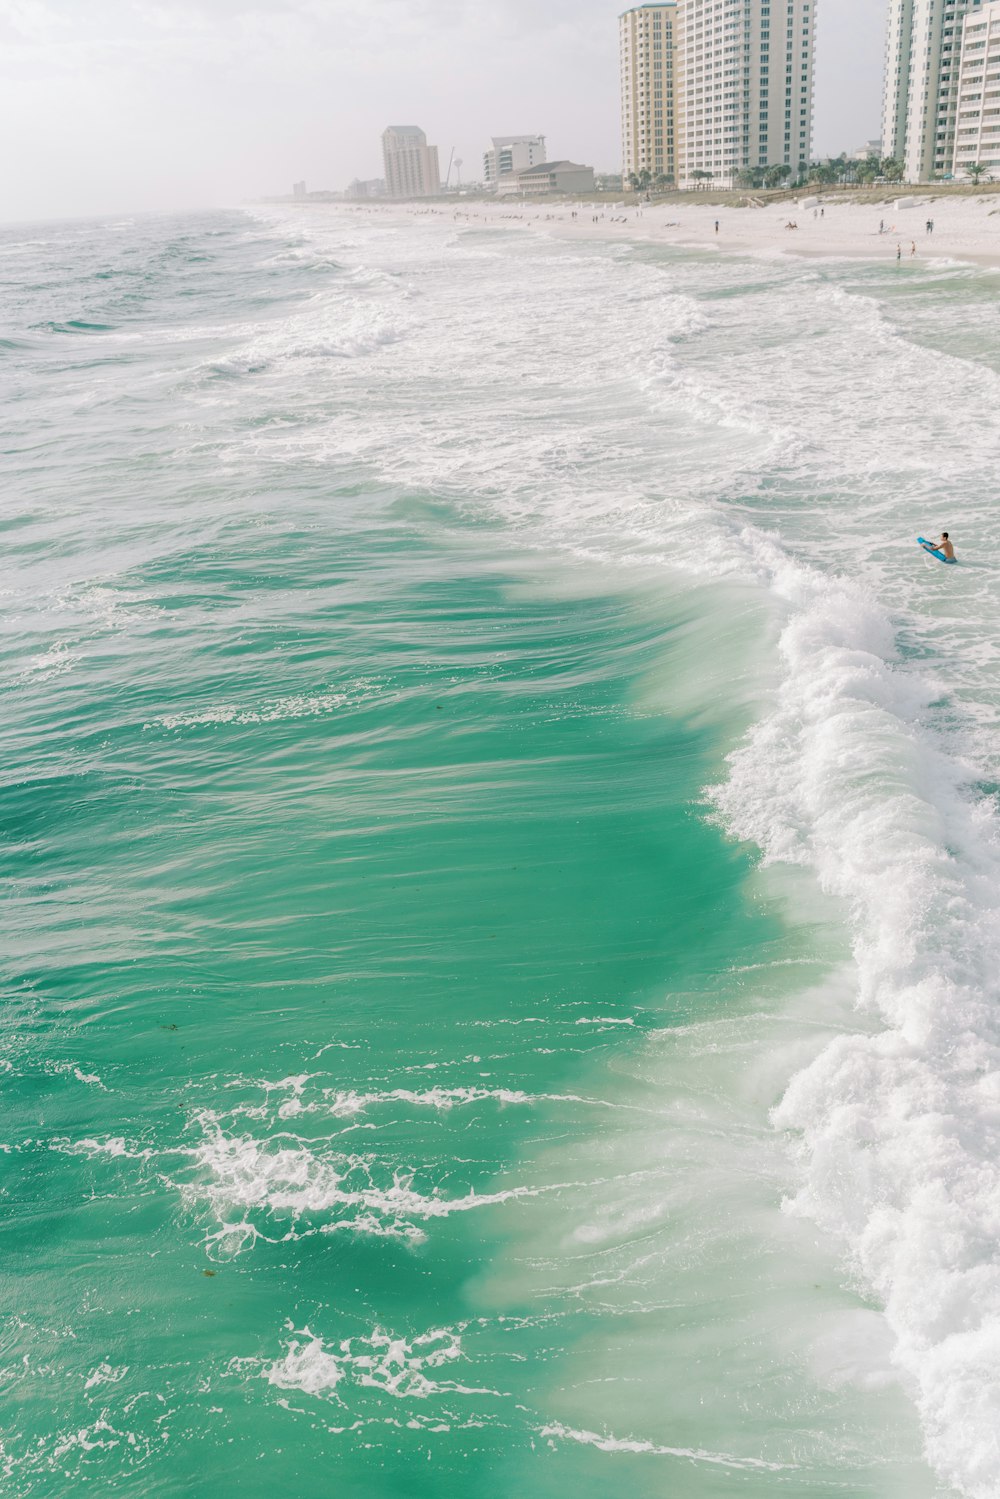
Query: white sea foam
x,y
345,324
606,1443
346,1103
105,1374
298,1098
402,1367
115,1147
605,1020
900,1130
301,705
259,1189
59,659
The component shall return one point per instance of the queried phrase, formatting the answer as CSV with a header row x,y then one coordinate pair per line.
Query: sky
x,y
115,105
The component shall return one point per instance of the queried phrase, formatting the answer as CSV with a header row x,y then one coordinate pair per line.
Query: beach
x,y
966,228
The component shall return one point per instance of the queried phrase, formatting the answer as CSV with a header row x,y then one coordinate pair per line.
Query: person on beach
x,y
716,226
899,252
913,247
881,226
943,545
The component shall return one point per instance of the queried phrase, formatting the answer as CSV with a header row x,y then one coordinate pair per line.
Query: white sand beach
x,y
966,228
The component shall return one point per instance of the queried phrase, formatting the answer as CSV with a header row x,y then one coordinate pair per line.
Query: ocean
x,y
500,847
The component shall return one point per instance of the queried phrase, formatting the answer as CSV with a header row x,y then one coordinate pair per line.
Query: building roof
x,y
552,166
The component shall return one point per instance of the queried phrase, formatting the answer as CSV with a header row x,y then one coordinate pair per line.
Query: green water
x,y
400,830
393,1025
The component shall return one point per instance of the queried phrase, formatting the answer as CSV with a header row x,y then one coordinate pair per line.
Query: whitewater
x,y
502,839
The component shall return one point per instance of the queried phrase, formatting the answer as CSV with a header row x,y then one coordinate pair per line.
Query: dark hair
x,y
945,535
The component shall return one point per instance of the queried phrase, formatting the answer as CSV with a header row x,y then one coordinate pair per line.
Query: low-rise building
x,y
511,153
549,177
977,126
373,187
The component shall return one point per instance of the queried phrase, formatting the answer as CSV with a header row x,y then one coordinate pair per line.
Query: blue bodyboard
x,y
933,551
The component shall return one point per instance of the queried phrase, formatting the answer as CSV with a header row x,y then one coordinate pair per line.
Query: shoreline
x,y
966,230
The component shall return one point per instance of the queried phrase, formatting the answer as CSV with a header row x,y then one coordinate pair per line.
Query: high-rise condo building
x,y
745,85
511,153
717,88
649,117
411,165
977,129
923,47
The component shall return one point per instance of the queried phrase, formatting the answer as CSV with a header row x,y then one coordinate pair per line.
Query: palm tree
x,y
976,170
843,169
892,169
633,182
701,177
869,169
823,173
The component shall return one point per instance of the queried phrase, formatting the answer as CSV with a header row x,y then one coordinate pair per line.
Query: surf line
x,y
640,1446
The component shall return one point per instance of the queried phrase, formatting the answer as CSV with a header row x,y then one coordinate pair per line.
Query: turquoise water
x,y
470,1024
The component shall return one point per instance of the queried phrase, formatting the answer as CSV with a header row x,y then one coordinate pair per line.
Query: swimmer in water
x,y
943,545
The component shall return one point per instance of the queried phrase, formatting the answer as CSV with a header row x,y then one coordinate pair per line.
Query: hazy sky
x,y
134,104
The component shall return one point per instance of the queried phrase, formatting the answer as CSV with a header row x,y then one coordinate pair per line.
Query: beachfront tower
x,y
744,83
977,130
646,46
411,165
920,100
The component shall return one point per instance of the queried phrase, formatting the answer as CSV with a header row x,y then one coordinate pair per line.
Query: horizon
x,y
179,107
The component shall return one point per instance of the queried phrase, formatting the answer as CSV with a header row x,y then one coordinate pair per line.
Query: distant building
x,y
870,148
374,187
977,129
646,40
411,165
299,190
549,177
511,153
